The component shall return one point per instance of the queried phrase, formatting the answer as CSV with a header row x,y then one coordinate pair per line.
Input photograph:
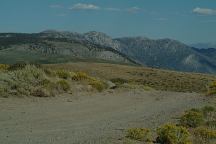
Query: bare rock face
x,y
102,39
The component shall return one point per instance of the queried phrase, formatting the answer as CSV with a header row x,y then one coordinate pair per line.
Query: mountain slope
x,y
209,52
54,46
162,53
204,45
166,53
41,49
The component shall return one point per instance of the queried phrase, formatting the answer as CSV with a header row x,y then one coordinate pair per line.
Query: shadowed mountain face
x,y
204,45
54,46
162,53
209,52
166,53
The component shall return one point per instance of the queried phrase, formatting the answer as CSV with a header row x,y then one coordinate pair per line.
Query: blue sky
x,y
190,21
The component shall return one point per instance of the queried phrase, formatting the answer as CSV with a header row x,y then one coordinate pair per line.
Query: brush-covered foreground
x,y
195,126
105,104
35,80
50,80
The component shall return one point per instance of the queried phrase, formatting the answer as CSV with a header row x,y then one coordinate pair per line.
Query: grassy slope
x,y
157,79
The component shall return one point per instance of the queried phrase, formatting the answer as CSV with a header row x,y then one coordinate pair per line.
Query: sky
x,y
189,21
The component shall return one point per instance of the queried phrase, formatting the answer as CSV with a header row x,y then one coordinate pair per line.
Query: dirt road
x,y
88,118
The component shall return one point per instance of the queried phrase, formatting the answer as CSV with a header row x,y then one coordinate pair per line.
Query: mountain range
x,y
54,46
204,45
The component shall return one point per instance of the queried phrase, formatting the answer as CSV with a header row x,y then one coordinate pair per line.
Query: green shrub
x,y
63,85
195,110
17,66
63,74
49,86
172,134
41,92
22,65
208,110
23,81
3,67
119,81
45,83
192,119
211,89
80,76
140,134
3,92
211,124
205,133
49,72
97,84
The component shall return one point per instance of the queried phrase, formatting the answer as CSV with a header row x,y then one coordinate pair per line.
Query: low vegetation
x,y
97,84
211,124
211,89
141,76
172,134
119,81
63,85
79,76
196,126
139,134
21,81
192,119
41,92
63,74
4,67
35,80
209,112
205,133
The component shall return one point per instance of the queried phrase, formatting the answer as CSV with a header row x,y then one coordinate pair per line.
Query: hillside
x,y
40,49
161,53
209,52
204,45
131,76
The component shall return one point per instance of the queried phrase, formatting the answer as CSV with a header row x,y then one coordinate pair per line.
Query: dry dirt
x,y
89,118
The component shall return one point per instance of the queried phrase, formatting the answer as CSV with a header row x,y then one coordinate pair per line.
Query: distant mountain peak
x,y
50,31
204,45
92,34
139,38
101,39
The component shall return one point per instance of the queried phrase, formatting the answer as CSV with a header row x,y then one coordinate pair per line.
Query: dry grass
x,y
149,77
